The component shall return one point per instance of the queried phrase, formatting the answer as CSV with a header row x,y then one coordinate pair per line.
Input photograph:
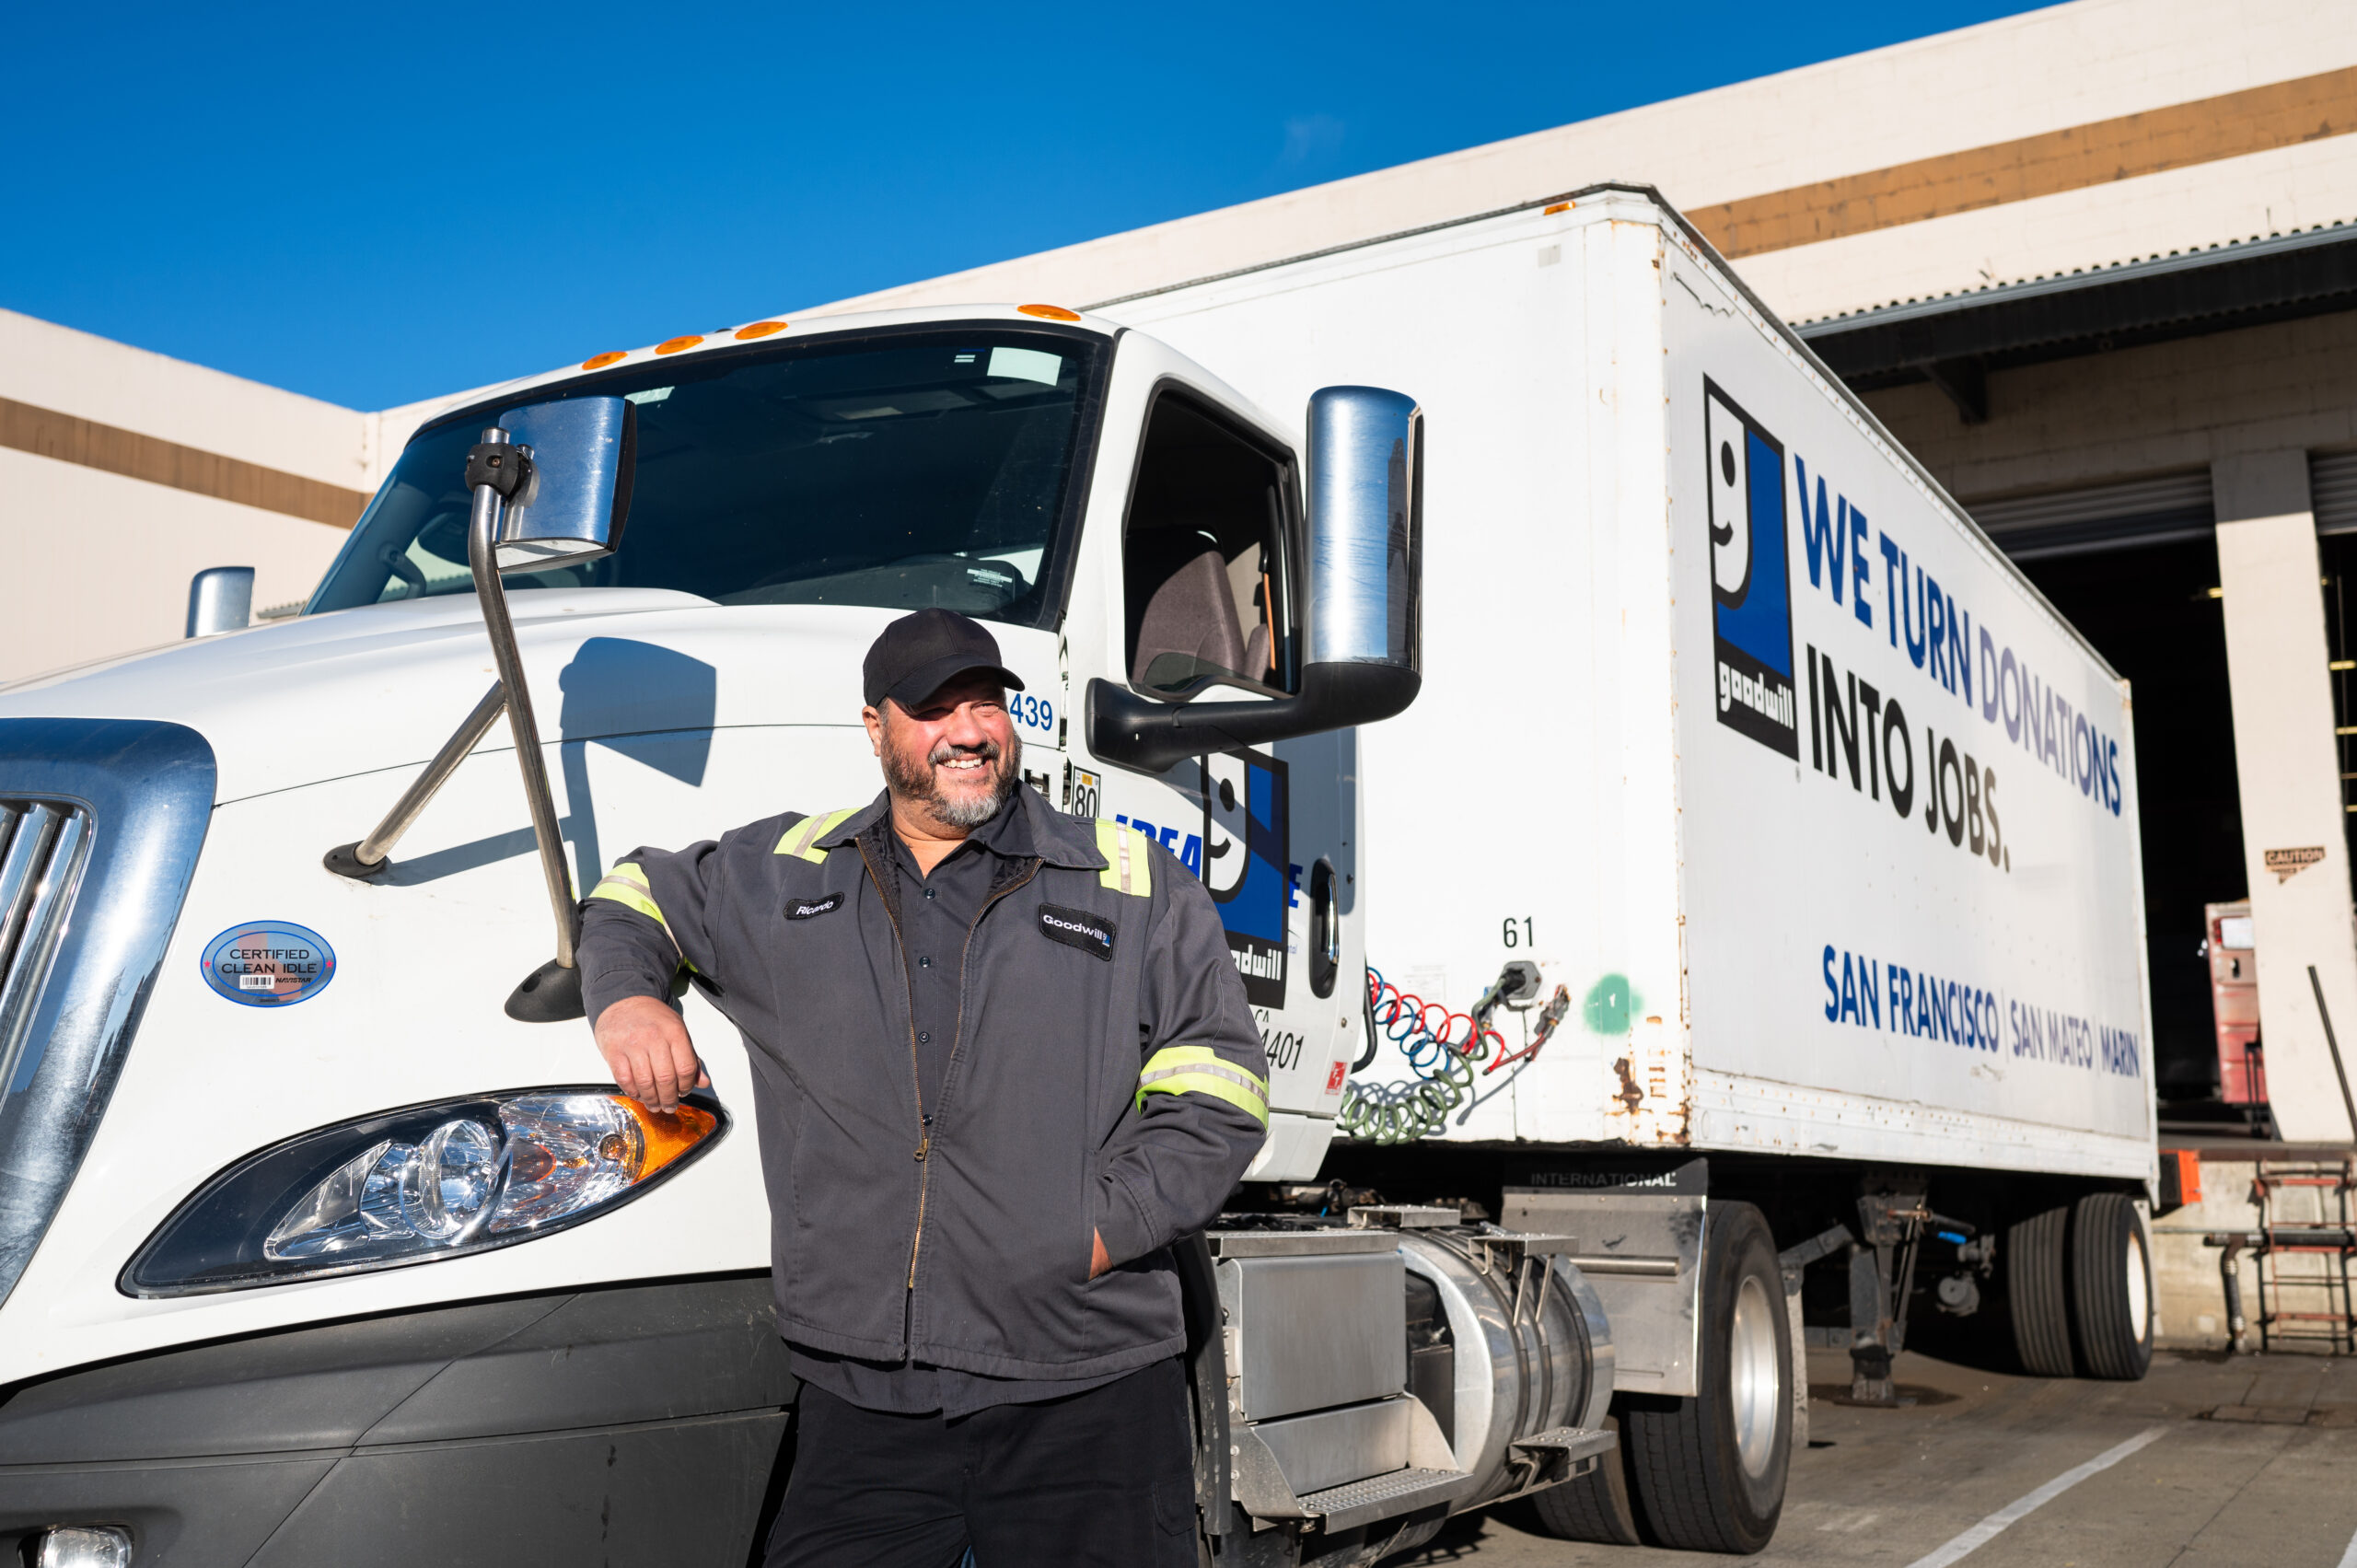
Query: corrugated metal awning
x,y
2104,517
1955,340
2332,490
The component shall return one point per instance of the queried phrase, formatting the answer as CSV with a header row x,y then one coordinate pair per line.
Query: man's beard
x,y
919,785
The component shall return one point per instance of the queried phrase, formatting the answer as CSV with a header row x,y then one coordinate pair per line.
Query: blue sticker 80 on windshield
x,y
269,963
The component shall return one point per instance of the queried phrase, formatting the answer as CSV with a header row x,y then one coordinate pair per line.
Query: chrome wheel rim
x,y
1753,1386
2140,1286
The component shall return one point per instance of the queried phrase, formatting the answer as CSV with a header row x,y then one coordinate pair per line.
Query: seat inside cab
x,y
1205,557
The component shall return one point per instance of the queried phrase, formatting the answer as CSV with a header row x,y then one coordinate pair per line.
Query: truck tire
x,y
2036,1273
1709,1471
1594,1507
2111,1287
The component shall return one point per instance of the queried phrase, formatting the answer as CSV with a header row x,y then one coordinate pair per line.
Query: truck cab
x,y
255,1093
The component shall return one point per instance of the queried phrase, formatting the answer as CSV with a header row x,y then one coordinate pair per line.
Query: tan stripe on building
x,y
48,434
2255,120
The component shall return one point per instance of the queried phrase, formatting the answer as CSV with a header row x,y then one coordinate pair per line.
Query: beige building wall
x,y
97,564
124,472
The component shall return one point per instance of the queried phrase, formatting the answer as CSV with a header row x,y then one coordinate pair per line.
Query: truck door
x,y
1211,552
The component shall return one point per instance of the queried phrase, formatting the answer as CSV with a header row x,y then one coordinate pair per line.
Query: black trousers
x,y
1105,1477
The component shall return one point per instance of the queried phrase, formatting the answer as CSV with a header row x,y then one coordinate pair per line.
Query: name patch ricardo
x,y
1078,928
807,908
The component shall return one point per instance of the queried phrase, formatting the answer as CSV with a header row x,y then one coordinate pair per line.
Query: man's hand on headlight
x,y
647,1050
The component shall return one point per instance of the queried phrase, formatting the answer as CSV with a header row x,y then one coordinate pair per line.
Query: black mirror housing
x,y
1138,732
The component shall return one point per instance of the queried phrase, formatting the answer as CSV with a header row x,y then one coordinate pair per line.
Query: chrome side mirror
x,y
575,493
220,599
1367,526
550,485
1364,599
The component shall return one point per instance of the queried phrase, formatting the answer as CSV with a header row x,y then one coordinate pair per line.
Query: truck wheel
x,y
2035,1268
1594,1507
1709,1471
2111,1286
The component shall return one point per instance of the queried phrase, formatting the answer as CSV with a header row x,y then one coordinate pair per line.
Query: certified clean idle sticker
x,y
269,963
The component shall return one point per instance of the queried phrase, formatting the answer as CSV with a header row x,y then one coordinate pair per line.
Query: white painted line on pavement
x,y
2349,1558
2020,1509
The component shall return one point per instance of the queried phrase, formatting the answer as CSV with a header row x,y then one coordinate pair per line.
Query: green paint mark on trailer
x,y
1609,1006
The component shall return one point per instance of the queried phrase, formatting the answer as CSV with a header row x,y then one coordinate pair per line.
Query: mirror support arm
x,y
1147,737
368,856
482,546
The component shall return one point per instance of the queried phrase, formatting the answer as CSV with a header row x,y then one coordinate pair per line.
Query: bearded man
x,y
1002,1062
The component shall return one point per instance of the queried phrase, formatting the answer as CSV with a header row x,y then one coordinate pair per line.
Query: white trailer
x,y
1817,821
1737,706
317,1241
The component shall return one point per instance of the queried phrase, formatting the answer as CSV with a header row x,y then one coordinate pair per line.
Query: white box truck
x,y
1755,854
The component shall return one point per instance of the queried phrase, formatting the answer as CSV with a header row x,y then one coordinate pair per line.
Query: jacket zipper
x,y
957,1039
916,1078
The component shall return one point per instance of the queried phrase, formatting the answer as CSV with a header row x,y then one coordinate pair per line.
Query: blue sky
x,y
377,204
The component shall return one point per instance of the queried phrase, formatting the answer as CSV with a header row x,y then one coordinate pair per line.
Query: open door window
x,y
1208,556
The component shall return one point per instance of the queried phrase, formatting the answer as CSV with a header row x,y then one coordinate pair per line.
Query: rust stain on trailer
x,y
1651,1101
1629,1096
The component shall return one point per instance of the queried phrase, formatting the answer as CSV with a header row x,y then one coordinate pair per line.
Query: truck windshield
x,y
899,472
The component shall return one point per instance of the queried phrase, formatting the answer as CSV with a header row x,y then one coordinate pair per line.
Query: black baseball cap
x,y
919,653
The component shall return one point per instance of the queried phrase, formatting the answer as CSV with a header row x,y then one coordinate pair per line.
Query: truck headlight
x,y
410,1186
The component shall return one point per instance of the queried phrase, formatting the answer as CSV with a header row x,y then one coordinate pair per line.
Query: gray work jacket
x,y
1107,1077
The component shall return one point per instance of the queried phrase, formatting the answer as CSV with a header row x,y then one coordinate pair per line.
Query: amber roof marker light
x,y
758,329
599,361
1049,312
673,345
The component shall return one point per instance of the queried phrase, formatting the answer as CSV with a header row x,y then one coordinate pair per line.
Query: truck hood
x,y
358,691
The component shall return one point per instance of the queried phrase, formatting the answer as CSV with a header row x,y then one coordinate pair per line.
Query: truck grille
x,y
101,821
41,852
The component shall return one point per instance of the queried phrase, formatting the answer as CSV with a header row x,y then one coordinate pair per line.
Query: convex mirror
x,y
1365,528
220,599
572,507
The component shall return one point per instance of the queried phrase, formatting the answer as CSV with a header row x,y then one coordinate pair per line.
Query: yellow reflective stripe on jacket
x,y
802,838
1198,1070
1128,867
626,885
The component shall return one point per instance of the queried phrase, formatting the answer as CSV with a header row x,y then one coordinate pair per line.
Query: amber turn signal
x,y
661,1139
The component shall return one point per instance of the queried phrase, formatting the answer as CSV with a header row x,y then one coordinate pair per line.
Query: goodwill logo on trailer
x,y
1751,595
1863,733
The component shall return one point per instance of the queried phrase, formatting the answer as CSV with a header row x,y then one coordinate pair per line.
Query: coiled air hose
x,y
1441,1056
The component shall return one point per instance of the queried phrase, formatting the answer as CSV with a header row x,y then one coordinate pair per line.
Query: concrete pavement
x,y
2254,1463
